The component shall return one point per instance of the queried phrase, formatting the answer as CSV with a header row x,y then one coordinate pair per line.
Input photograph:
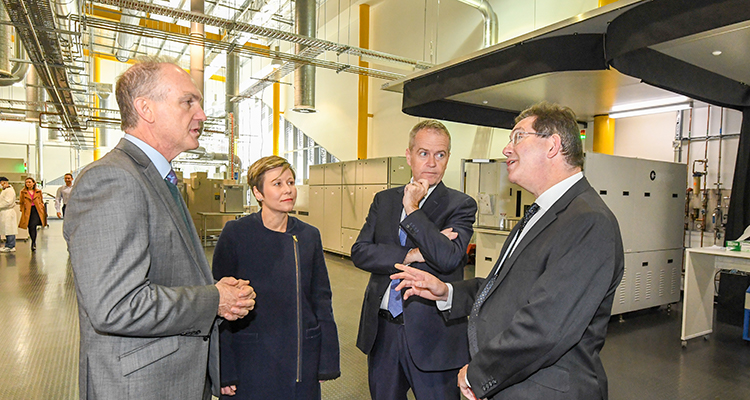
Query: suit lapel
x,y
398,208
550,216
159,188
432,204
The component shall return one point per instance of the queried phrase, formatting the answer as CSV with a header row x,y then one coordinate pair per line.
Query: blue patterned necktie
x,y
171,180
171,177
472,329
395,301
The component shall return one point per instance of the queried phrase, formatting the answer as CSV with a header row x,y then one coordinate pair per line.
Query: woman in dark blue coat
x,y
289,342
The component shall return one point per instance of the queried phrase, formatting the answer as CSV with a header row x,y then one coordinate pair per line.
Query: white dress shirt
x,y
160,162
386,297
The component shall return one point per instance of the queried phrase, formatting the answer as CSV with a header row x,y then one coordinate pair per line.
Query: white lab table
x,y
700,270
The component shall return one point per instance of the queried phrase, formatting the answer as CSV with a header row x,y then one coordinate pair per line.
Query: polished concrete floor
x,y
643,355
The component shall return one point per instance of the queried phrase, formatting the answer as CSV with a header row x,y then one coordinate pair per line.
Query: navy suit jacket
x,y
434,343
543,323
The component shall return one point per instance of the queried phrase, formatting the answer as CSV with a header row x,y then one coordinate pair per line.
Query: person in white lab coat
x,y
8,218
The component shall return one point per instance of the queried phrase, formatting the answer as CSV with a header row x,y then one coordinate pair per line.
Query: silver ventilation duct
x,y
125,41
15,73
33,96
232,89
490,20
304,76
197,51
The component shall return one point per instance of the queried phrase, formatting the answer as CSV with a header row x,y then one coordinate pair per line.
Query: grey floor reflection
x,y
39,338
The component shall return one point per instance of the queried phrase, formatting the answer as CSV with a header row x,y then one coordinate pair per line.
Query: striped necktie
x,y
472,329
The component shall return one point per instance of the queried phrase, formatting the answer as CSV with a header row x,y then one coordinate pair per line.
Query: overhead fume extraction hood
x,y
628,51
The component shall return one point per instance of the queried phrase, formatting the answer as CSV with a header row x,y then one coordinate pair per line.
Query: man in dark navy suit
x,y
537,323
427,225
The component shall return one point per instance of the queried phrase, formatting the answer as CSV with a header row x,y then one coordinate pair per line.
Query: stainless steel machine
x,y
647,197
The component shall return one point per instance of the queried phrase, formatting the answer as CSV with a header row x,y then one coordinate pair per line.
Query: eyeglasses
x,y
517,136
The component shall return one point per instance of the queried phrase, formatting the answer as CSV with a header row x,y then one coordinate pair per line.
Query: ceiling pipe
x,y
490,20
304,76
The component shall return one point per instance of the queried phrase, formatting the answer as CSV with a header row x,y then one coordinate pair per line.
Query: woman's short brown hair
x,y
256,173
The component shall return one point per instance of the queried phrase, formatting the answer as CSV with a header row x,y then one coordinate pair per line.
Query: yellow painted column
x,y
276,117
97,131
604,134
364,83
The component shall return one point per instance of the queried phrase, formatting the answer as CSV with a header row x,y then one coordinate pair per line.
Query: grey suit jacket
x,y
543,323
146,299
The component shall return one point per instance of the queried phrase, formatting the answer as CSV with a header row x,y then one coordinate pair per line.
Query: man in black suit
x,y
537,323
429,226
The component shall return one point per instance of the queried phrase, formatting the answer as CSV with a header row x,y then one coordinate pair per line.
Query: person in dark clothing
x,y
289,342
33,212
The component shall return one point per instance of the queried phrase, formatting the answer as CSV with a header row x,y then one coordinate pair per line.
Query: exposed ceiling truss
x,y
275,34
61,46
34,23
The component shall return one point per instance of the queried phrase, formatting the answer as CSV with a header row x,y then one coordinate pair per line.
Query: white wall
x,y
649,136
652,136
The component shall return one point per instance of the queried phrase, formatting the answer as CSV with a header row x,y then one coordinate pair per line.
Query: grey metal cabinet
x,y
341,194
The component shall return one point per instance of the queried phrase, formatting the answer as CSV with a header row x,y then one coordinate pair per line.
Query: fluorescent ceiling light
x,y
653,110
650,103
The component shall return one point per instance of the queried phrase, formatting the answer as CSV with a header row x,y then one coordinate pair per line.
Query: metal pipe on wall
x,y
39,155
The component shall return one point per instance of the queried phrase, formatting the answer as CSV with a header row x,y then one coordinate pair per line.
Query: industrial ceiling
x,y
62,37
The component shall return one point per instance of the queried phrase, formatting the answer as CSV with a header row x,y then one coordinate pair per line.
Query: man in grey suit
x,y
537,322
148,305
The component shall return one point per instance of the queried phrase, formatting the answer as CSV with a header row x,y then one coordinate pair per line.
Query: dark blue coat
x,y
291,334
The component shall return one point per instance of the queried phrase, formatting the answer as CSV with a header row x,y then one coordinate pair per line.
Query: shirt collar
x,y
160,162
551,195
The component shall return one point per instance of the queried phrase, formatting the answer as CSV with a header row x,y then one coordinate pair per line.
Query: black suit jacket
x,y
543,324
434,343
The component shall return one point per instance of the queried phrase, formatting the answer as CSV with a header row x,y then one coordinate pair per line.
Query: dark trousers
x,y
34,221
392,372
63,209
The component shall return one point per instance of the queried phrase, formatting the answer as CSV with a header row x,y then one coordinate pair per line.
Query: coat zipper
x,y
299,312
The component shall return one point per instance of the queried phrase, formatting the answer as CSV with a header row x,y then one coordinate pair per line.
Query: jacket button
x,y
205,338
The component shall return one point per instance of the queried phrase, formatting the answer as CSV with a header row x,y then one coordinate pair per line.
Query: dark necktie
x,y
472,329
171,180
395,301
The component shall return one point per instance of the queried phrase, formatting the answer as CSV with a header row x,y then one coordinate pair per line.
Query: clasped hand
x,y
236,298
414,192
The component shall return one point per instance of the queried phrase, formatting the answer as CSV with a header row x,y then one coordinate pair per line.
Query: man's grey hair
x,y
430,124
556,119
140,80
